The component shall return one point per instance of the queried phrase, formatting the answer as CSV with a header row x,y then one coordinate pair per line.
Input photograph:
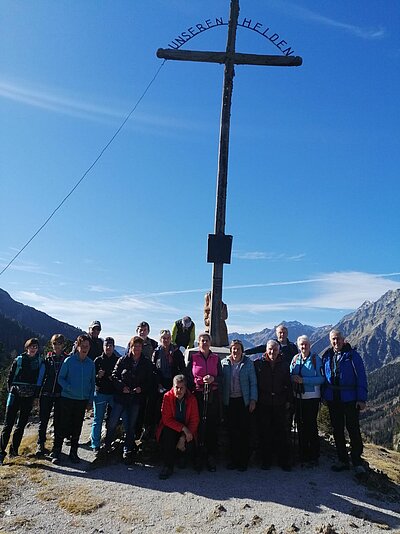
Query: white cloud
x,y
52,100
100,289
336,291
25,266
303,13
116,314
269,256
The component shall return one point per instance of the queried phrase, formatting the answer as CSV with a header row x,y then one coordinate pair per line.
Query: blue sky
x,y
313,170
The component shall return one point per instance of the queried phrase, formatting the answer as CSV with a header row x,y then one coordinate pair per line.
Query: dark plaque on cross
x,y
219,242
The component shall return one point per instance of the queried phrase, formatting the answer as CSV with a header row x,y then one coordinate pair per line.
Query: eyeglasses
x,y
56,343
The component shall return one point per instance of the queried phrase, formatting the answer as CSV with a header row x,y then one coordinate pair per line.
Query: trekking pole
x,y
299,413
295,429
202,432
206,393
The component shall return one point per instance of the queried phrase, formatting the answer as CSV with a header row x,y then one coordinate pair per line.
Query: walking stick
x,y
299,415
202,451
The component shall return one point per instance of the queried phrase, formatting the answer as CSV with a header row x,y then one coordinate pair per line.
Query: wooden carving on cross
x,y
219,244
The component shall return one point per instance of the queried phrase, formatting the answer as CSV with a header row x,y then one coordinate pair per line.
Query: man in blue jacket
x,y
345,391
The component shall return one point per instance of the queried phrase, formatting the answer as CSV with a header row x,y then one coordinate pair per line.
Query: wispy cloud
x,y
119,314
54,101
26,267
269,256
304,13
339,291
335,291
100,289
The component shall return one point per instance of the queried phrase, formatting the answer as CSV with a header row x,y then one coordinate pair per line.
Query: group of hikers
x,y
155,393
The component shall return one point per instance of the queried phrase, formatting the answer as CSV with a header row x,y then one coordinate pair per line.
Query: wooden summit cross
x,y
219,244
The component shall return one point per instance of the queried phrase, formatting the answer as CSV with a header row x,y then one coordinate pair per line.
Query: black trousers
x,y
306,411
345,414
209,422
72,414
272,423
238,419
168,442
20,407
46,404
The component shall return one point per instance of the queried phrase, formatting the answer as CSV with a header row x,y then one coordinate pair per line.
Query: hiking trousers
x,y
20,407
346,414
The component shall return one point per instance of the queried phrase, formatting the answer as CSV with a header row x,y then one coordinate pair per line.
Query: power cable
x,y
87,170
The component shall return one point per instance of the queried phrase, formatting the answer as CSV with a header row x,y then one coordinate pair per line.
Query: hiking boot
x,y
127,457
360,470
55,457
340,466
13,452
231,466
2,456
211,464
286,467
198,465
41,450
73,456
165,472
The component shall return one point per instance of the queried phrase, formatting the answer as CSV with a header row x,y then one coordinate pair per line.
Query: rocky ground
x,y
37,496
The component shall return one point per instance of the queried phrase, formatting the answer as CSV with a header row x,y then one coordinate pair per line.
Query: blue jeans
x,y
129,412
100,403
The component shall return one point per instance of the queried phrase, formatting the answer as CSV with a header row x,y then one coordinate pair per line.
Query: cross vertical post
x,y
229,58
222,177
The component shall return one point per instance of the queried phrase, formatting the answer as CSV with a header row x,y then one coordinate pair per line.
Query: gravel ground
x,y
43,497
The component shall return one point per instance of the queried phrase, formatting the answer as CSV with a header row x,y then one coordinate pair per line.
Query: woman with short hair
x,y
132,377
204,372
177,430
168,361
77,381
22,385
50,393
239,390
307,378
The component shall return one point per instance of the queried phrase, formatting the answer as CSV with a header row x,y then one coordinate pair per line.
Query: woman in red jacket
x,y
178,426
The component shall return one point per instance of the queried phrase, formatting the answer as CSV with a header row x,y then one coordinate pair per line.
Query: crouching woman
x,y
177,430
77,380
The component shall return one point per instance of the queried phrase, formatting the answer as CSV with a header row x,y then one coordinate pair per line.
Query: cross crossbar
x,y
222,57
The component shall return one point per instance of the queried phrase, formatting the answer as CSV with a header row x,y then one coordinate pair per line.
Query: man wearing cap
x,y
103,395
96,343
183,333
